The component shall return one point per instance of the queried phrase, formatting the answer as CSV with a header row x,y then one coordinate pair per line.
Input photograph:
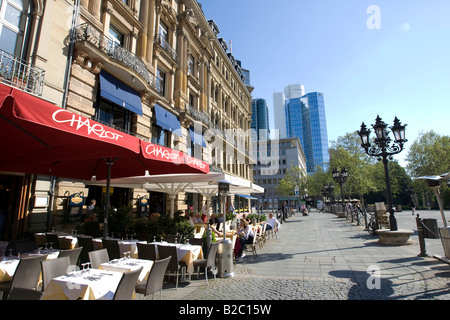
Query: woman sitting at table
x,y
91,226
245,234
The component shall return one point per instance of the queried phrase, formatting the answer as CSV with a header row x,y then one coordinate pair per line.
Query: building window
x,y
14,22
113,115
161,136
161,82
191,65
163,31
115,37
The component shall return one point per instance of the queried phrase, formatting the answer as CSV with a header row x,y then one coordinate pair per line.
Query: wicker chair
x,y
25,294
53,237
97,257
174,264
22,246
112,245
146,251
209,262
53,268
88,245
196,241
171,238
155,279
26,276
73,254
127,285
252,246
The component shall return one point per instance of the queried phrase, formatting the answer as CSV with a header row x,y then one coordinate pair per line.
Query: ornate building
x,y
155,69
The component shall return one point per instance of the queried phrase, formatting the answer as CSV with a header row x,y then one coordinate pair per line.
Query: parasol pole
x,y
109,163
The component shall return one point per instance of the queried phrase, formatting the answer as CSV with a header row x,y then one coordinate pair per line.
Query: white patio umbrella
x,y
172,184
433,183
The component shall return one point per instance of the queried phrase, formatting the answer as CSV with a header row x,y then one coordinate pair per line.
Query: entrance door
x,y
14,198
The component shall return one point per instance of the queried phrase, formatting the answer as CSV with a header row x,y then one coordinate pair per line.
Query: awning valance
x,y
118,92
167,120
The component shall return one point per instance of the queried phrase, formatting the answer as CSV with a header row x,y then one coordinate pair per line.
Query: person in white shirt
x,y
272,223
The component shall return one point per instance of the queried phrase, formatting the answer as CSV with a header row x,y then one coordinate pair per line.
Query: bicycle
x,y
371,225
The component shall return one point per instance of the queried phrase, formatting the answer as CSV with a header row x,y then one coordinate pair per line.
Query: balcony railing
x,y
20,74
86,32
159,39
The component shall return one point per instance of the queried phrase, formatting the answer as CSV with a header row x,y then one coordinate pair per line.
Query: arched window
x,y
15,21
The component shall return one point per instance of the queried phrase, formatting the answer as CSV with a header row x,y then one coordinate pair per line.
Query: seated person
x,y
245,234
272,223
218,233
197,219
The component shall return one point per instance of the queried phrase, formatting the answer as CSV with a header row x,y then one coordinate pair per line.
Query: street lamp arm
x,y
384,151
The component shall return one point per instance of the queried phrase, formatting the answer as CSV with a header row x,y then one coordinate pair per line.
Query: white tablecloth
x,y
185,252
7,269
131,246
126,265
92,284
8,266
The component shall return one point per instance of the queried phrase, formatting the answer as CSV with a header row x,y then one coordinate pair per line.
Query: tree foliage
x,y
429,155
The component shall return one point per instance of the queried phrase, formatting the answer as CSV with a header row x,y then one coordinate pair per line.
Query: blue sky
x,y
400,68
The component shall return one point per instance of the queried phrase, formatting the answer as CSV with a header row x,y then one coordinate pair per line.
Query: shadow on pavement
x,y
264,257
366,286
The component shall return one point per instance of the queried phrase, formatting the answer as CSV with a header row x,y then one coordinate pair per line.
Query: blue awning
x,y
246,196
197,138
118,92
167,120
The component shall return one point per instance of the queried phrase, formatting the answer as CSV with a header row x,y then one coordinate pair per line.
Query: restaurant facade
x,y
157,70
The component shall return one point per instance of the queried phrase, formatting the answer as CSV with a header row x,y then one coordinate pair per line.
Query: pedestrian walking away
x,y
413,207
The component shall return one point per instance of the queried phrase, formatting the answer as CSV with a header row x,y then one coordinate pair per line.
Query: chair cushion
x,y
140,288
199,262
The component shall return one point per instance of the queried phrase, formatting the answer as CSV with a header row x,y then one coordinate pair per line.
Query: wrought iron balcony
x,y
20,74
88,33
159,39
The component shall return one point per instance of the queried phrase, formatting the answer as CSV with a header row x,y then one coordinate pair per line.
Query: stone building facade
x,y
167,57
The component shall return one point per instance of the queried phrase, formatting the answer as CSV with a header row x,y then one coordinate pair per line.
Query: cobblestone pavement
x,y
322,257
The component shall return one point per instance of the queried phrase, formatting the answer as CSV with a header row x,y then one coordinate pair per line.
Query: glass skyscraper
x,y
305,119
260,120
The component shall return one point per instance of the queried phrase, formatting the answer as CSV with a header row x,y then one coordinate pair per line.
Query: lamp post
x,y
329,187
340,178
384,150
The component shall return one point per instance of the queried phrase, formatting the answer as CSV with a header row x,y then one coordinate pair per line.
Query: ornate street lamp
x,y
340,178
384,150
329,187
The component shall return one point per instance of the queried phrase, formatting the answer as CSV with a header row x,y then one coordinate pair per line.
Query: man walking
x,y
284,210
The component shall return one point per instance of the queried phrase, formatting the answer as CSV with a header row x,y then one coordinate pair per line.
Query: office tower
x,y
304,118
279,106
260,120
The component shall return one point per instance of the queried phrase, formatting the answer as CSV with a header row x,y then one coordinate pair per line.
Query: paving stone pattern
x,y
323,257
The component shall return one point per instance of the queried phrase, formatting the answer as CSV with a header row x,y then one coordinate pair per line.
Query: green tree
x,y
347,152
294,177
429,155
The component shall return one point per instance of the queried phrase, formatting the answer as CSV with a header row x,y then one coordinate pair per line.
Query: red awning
x,y
39,137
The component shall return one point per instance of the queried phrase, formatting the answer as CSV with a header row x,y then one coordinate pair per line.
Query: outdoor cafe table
x,y
8,266
125,265
130,246
185,252
124,245
7,269
89,284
